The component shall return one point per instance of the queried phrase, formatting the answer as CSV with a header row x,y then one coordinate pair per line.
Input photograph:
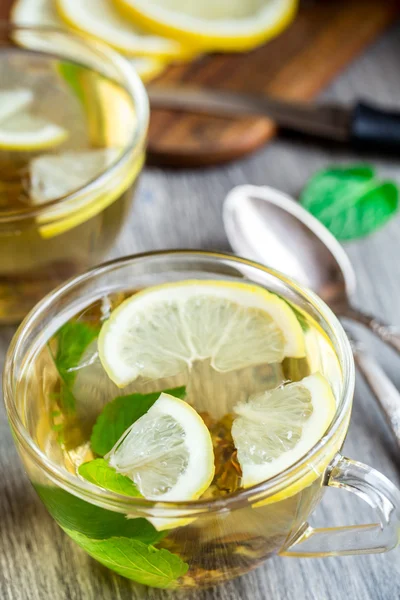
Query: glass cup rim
x,y
132,84
117,502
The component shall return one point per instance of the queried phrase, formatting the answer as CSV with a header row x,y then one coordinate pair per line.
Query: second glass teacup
x,y
73,123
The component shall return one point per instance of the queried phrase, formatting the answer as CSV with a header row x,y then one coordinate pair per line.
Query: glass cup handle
x,y
375,489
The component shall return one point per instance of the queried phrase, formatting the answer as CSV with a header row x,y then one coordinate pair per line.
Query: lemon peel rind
x,y
206,41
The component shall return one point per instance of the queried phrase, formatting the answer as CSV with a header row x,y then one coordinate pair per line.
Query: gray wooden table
x,y
183,209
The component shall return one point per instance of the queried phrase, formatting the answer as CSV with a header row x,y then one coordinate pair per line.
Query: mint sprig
x,y
95,522
72,340
125,545
120,414
135,560
72,74
350,201
100,473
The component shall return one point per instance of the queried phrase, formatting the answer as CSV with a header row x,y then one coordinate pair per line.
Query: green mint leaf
x,y
299,315
72,340
135,560
119,414
66,398
75,514
322,188
72,74
301,318
100,473
350,201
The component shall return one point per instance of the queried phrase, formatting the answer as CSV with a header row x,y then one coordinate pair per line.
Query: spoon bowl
x,y
267,225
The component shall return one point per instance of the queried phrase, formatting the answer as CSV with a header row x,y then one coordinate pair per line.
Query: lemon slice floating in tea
x,y
21,130
162,330
233,26
274,429
55,176
13,101
168,453
24,131
100,19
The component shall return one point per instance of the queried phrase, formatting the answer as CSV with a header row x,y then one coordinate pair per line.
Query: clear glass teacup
x,y
212,539
64,194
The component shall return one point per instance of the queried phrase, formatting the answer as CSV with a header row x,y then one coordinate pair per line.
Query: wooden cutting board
x,y
325,36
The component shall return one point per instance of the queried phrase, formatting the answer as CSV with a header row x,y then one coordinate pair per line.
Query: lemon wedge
x,y
50,179
162,330
24,131
13,101
57,175
275,429
208,25
43,13
100,19
168,453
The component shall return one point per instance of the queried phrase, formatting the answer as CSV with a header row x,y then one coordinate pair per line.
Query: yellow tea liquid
x,y
60,411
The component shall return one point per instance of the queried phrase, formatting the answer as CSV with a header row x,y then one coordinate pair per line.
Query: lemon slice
x,y
44,13
276,428
24,131
35,12
14,101
147,68
209,25
41,13
58,175
161,331
98,18
168,453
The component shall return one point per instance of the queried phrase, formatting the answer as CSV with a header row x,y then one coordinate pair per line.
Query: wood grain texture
x,y
325,36
38,562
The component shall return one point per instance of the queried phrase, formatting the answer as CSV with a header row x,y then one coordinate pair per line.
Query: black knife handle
x,y
376,128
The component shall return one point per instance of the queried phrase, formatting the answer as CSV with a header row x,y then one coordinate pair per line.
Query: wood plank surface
x,y
183,209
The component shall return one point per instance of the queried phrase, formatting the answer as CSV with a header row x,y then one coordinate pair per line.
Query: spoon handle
x,y
387,333
386,393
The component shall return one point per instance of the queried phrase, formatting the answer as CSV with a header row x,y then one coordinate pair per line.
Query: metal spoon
x,y
267,225
263,222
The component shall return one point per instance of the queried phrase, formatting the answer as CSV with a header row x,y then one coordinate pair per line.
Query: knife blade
x,y
361,125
